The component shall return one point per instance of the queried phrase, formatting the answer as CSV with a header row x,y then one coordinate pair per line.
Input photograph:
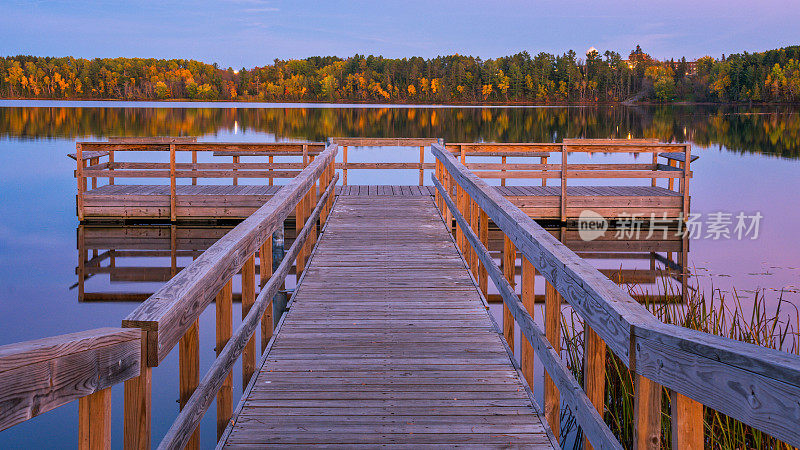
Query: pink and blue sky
x,y
247,33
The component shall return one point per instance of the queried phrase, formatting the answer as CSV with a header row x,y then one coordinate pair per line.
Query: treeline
x,y
771,76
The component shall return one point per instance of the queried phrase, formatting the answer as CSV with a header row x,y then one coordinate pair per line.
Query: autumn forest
x,y
772,77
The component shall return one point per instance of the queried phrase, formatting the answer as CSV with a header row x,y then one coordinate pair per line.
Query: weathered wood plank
x,y
37,376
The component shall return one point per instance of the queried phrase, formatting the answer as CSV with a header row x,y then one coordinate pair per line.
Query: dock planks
x,y
378,348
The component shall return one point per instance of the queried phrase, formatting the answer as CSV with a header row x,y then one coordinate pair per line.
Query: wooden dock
x,y
175,190
361,359
387,340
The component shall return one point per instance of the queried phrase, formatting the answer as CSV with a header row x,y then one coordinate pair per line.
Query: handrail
x,y
589,419
755,385
40,375
190,416
168,314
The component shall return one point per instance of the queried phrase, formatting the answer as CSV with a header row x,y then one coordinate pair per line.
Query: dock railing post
x,y
421,164
235,165
528,297
224,327
552,325
248,300
344,165
111,167
189,372
594,372
563,183
687,422
265,272
509,271
172,184
81,180
94,419
483,233
647,414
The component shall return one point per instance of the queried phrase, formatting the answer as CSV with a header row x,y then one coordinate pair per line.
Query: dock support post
x,y
189,372
421,165
138,396
194,167
248,300
270,170
299,221
278,253
543,160
172,185
687,422
474,224
563,183
552,325
111,167
235,164
81,180
503,162
483,233
460,205
594,372
265,272
528,297
224,328
94,419
509,270
344,165
647,414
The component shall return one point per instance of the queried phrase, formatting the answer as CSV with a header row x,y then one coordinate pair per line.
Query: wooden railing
x,y
677,156
38,376
345,165
99,160
170,316
755,385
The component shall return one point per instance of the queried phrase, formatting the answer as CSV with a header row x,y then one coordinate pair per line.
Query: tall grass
x,y
749,321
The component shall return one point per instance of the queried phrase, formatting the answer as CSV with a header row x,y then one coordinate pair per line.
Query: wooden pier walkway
x,y
362,358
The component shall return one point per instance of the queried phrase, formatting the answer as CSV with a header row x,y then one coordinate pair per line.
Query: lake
x,y
749,163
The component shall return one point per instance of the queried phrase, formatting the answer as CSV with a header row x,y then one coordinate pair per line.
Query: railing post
x,y
421,164
459,204
194,167
344,165
270,170
528,297
138,397
111,167
248,299
265,272
503,162
81,181
235,177
563,183
94,162
172,185
189,372
94,420
299,221
687,154
552,325
483,234
474,224
655,168
647,414
543,161
509,271
687,422
224,329
594,371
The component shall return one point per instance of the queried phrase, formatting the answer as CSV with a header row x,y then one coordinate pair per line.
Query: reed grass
x,y
750,320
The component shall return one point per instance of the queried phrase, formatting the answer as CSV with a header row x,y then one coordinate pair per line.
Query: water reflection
x,y
769,130
652,269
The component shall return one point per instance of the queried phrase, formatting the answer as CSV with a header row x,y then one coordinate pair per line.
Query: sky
x,y
247,33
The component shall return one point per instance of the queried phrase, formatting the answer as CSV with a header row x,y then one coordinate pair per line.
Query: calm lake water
x,y
749,162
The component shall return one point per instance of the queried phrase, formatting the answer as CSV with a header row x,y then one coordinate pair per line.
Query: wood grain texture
x,y
647,414
224,324
94,421
37,376
353,363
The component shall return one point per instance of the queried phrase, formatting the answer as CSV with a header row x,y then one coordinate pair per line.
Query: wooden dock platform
x,y
362,360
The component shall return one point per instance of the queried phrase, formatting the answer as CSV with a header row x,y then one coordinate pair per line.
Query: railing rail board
x,y
753,384
175,307
184,425
40,375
